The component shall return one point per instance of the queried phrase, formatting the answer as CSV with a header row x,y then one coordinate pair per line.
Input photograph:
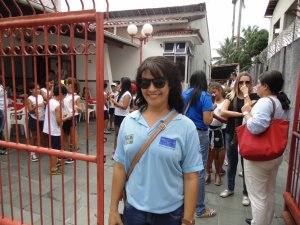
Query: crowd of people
x,y
167,141
164,176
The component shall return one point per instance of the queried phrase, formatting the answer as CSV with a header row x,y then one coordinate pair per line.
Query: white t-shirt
x,y
2,93
54,127
41,109
113,95
217,112
122,112
47,92
68,104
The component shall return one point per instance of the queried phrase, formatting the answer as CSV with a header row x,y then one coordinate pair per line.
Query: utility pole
x,y
233,19
239,25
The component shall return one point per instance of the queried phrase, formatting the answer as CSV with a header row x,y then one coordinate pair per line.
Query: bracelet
x,y
245,113
246,95
188,222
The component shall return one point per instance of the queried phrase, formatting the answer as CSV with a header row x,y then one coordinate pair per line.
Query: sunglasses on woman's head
x,y
144,83
244,82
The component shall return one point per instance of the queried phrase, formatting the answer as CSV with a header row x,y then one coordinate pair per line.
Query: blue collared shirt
x,y
156,183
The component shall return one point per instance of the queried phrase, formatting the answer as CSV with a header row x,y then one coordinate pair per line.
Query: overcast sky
x,y
219,13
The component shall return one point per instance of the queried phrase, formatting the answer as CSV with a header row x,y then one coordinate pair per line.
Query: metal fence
x,y
285,38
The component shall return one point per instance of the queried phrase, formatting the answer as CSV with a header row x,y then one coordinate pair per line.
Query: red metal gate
x,y
31,40
291,212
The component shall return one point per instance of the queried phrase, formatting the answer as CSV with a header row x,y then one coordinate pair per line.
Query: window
x,y
180,48
169,48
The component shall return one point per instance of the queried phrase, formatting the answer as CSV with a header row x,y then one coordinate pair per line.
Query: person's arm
x,y
126,102
45,96
207,117
118,183
219,118
78,106
259,119
30,107
61,119
227,113
190,195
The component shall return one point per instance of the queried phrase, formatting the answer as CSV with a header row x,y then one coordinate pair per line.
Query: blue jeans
x,y
204,145
132,216
233,159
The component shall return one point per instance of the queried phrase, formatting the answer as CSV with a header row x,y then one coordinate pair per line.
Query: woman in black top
x,y
232,110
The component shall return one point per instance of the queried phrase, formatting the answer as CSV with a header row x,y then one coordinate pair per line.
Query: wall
x,y
288,62
202,52
281,7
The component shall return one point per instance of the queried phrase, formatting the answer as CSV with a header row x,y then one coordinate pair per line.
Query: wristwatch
x,y
188,222
245,113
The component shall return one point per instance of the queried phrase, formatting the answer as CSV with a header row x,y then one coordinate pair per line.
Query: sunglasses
x,y
244,82
144,83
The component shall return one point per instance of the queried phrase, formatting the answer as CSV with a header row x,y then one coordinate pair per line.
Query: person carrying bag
x,y
269,114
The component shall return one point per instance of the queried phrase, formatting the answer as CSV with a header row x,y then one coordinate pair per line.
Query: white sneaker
x,y
246,201
33,157
226,193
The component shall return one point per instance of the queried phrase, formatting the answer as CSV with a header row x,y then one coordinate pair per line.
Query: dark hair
x,y
31,86
76,84
125,86
160,66
275,81
199,83
105,85
62,88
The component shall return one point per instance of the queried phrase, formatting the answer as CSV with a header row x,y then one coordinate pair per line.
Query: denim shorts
x,y
133,216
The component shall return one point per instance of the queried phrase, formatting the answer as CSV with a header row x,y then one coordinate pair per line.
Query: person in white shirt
x,y
113,95
54,115
71,107
47,91
122,105
261,176
216,135
2,115
36,111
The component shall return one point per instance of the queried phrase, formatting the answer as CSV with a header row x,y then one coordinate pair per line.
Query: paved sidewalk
x,y
230,211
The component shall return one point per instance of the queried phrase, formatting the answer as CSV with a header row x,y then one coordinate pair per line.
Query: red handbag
x,y
267,145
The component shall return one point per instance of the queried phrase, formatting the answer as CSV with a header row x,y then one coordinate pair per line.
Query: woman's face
x,y
261,89
36,90
155,96
244,80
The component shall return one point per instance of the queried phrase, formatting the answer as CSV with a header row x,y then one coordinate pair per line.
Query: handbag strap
x,y
188,106
274,106
144,147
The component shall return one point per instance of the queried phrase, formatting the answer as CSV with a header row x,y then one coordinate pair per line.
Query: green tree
x,y
227,52
252,42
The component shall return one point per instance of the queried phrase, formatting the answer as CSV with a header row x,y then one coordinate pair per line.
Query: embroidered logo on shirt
x,y
167,142
128,139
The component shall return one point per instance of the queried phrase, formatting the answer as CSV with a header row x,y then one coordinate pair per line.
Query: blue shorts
x,y
118,120
32,124
55,142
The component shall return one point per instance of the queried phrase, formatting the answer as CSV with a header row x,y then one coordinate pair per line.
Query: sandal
x,y
206,214
58,171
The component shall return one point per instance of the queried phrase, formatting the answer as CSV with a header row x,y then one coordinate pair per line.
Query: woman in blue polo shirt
x,y
163,187
201,113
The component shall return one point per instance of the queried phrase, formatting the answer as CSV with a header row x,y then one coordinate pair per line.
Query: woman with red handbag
x,y
261,175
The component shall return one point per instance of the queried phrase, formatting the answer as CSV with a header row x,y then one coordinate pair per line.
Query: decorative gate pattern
x,y
32,43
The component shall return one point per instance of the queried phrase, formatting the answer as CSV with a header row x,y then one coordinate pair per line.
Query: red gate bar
x,y
291,212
